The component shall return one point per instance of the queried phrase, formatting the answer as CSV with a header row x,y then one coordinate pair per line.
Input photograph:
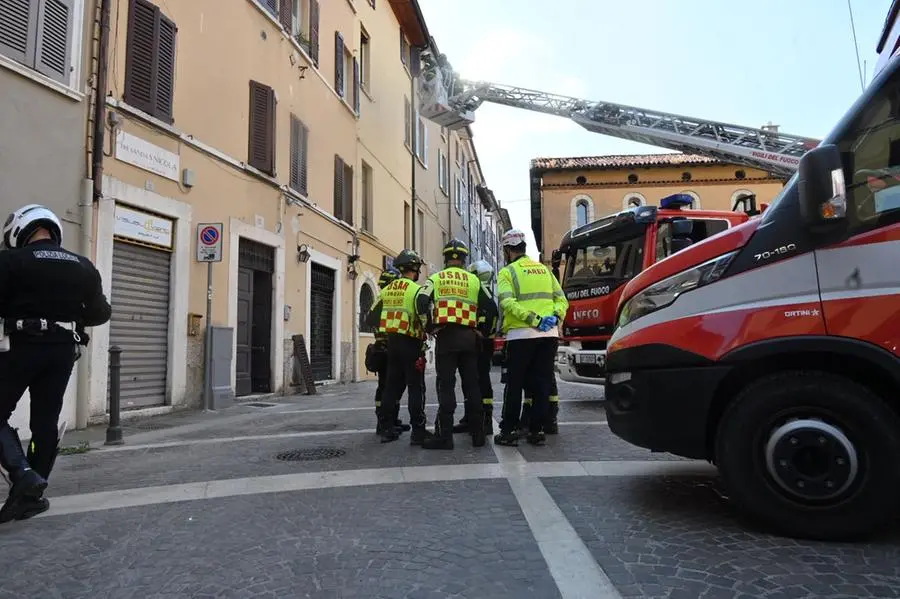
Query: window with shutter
x,y
365,59
365,189
271,6
338,187
347,210
38,35
404,49
299,153
314,31
286,15
150,60
261,150
339,63
355,85
407,123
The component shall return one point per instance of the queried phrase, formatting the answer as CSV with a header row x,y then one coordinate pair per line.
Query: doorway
x,y
253,344
321,322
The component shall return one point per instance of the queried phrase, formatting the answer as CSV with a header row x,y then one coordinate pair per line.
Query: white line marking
x,y
573,567
516,468
216,440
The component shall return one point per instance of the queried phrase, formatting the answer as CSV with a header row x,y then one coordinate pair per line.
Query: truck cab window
x,y
870,149
703,228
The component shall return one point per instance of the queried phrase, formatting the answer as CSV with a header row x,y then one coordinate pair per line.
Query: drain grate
x,y
148,425
259,404
310,455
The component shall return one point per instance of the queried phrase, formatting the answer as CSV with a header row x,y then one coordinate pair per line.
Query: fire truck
x,y
599,258
633,239
773,349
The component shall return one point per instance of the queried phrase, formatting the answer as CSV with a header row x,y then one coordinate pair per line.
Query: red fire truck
x,y
773,349
595,261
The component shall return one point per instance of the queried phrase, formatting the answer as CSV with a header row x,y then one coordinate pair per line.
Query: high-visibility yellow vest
x,y
455,297
398,309
532,285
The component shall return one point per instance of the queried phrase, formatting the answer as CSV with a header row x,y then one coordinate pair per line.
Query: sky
x,y
791,62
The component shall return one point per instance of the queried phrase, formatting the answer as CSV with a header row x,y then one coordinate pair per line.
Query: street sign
x,y
209,242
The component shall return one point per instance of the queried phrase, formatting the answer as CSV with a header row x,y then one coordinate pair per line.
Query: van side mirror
x,y
821,187
682,227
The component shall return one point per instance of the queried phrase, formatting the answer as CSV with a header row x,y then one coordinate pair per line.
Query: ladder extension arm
x,y
774,152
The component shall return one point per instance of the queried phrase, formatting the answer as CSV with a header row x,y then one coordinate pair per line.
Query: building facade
x,y
289,126
569,192
45,61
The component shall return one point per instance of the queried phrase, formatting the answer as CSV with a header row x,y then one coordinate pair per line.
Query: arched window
x,y
581,213
581,210
633,200
738,201
366,299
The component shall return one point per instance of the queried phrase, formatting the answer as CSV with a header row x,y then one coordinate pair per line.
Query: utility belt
x,y
38,327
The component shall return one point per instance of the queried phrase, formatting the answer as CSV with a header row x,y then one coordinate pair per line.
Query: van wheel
x,y
811,455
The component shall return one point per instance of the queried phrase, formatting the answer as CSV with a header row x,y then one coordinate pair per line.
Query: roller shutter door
x,y
321,297
140,322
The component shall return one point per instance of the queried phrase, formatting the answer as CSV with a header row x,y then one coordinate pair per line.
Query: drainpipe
x,y
414,137
354,341
91,192
100,101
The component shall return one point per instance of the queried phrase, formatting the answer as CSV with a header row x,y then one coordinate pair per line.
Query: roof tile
x,y
623,161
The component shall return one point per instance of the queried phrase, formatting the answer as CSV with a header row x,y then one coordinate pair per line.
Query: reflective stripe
x,y
538,295
505,295
515,281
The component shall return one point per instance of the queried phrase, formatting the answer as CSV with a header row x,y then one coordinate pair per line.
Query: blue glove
x,y
547,323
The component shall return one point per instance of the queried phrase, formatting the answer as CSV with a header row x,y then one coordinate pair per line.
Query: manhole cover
x,y
149,426
259,404
310,455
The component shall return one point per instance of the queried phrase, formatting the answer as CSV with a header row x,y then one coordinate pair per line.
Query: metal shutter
x,y
140,322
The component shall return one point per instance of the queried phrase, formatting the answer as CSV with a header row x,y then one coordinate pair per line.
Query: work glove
x,y
547,323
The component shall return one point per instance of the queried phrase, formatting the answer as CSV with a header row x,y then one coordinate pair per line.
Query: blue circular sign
x,y
209,235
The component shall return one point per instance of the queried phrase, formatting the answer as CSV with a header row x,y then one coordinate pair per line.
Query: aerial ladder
x,y
451,102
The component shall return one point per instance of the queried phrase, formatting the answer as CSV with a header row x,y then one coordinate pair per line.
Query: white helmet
x,y
483,270
21,225
512,238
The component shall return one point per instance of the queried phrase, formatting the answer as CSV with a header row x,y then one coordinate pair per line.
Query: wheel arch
x,y
861,362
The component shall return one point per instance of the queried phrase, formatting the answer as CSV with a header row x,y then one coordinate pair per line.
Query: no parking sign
x,y
209,242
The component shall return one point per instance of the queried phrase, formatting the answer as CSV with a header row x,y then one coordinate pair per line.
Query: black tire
x,y
867,421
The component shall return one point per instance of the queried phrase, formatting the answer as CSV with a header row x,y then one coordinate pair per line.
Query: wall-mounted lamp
x,y
351,272
303,253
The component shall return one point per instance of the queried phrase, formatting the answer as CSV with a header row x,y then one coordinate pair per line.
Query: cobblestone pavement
x,y
298,499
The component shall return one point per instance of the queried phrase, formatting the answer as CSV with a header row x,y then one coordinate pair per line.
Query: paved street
x,y
298,499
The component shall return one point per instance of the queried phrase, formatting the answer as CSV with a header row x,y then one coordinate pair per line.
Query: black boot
x,y
443,434
387,431
463,425
488,410
510,439
27,485
552,426
398,424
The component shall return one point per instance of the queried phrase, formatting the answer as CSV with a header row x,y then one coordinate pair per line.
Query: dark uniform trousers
x,y
382,375
403,351
457,350
529,364
43,368
485,356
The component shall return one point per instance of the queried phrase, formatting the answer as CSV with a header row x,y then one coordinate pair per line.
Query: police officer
x,y
47,296
488,318
449,303
376,354
404,338
533,303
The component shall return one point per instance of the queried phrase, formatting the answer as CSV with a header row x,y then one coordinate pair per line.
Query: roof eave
x,y
412,22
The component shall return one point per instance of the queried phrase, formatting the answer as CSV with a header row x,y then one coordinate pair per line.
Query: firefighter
x,y
376,353
48,295
487,328
533,304
404,338
456,296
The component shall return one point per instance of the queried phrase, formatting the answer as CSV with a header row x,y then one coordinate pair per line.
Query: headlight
x,y
667,291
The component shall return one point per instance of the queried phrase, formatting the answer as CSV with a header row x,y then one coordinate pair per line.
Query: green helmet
x,y
455,250
388,277
408,260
